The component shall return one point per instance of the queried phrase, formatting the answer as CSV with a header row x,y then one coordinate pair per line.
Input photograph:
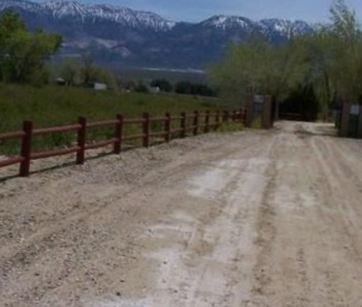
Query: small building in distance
x,y
154,89
97,86
60,81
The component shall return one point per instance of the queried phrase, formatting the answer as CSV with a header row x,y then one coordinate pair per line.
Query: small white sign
x,y
355,109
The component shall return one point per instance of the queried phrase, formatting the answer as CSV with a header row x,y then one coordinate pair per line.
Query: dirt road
x,y
248,219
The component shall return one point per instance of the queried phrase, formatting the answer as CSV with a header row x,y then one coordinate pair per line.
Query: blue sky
x,y
196,10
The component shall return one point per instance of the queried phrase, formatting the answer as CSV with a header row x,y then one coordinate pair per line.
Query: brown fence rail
x,y
173,127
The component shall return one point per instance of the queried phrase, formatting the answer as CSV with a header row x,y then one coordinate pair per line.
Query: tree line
x,y
184,87
325,66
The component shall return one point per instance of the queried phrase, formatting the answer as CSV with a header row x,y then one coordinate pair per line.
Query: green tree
x,y
24,54
107,77
346,71
259,68
88,70
141,87
334,54
327,64
70,72
86,73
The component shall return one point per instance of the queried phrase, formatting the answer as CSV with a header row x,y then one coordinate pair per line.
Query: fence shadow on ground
x,y
72,163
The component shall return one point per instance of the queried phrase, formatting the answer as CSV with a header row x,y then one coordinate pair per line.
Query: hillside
x,y
118,36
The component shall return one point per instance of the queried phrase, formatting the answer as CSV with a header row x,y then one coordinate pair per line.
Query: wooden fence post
x,y
168,128
249,109
217,120
118,134
359,132
196,122
28,127
183,124
234,116
207,122
146,129
266,116
225,118
343,130
242,116
81,140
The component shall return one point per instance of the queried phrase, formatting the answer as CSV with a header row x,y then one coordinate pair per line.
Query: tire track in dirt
x,y
203,252
250,219
331,227
266,231
347,212
49,239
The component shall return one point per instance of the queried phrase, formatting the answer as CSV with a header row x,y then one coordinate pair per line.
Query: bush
x,y
141,88
183,87
231,127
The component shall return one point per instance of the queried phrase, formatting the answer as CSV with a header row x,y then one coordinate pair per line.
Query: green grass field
x,y
53,106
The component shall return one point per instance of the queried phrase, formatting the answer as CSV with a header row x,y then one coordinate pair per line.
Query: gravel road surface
x,y
256,218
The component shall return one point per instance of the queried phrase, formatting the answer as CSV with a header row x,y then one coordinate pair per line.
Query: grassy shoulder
x,y
53,105
231,127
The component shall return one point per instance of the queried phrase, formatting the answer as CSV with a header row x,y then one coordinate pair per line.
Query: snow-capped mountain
x,y
62,9
115,34
269,27
285,27
229,22
19,4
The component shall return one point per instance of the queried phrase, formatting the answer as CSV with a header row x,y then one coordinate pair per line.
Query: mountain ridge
x,y
116,34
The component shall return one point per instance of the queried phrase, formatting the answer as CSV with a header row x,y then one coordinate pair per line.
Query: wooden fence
x,y
194,123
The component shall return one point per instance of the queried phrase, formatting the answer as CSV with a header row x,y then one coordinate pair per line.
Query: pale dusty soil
x,y
248,219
